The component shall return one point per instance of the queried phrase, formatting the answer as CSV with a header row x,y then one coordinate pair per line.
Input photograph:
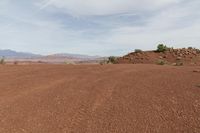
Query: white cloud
x,y
177,26
105,7
123,25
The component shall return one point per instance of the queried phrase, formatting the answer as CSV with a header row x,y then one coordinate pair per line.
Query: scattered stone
x,y
165,56
193,63
179,64
178,58
196,71
198,86
173,64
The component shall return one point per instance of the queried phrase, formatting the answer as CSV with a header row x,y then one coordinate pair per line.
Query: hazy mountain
x,y
13,54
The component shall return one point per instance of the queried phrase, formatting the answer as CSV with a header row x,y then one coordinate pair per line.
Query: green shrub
x,y
161,48
138,50
112,59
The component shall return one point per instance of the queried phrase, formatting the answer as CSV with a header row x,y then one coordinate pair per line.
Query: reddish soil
x,y
171,57
99,99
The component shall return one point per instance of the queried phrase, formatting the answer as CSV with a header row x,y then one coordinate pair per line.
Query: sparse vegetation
x,y
161,48
103,62
138,50
112,60
2,61
161,62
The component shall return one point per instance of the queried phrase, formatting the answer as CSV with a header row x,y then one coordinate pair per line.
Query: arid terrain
x,y
181,56
99,99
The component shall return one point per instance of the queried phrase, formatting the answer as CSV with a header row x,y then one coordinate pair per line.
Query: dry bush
x,y
161,62
2,61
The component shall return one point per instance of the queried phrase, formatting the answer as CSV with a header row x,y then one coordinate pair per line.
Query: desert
x,y
99,98
99,66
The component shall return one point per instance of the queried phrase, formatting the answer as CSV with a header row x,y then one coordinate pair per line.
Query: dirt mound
x,y
189,56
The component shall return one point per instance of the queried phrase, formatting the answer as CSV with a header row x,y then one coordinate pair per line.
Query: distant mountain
x,y
13,54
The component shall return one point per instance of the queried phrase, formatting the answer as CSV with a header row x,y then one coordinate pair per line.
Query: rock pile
x,y
184,52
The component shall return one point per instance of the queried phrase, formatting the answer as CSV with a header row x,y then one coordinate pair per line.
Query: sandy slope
x,y
110,98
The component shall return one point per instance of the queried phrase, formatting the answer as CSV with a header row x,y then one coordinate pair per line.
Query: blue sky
x,y
97,27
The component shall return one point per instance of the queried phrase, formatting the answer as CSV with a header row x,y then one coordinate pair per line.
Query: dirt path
x,y
99,99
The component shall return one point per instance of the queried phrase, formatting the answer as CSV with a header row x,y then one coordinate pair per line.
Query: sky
x,y
98,27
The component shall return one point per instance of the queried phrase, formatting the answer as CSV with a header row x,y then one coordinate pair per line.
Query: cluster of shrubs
x,y
162,48
109,60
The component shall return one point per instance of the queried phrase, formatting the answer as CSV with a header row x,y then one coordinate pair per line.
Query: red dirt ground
x,y
99,99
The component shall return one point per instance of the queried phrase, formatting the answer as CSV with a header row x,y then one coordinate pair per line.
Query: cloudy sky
x,y
97,27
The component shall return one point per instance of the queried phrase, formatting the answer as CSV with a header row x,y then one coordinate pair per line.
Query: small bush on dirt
x,y
161,62
138,51
161,48
112,59
103,62
2,61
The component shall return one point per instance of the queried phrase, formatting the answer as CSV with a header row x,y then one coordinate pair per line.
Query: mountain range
x,y
14,54
11,55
